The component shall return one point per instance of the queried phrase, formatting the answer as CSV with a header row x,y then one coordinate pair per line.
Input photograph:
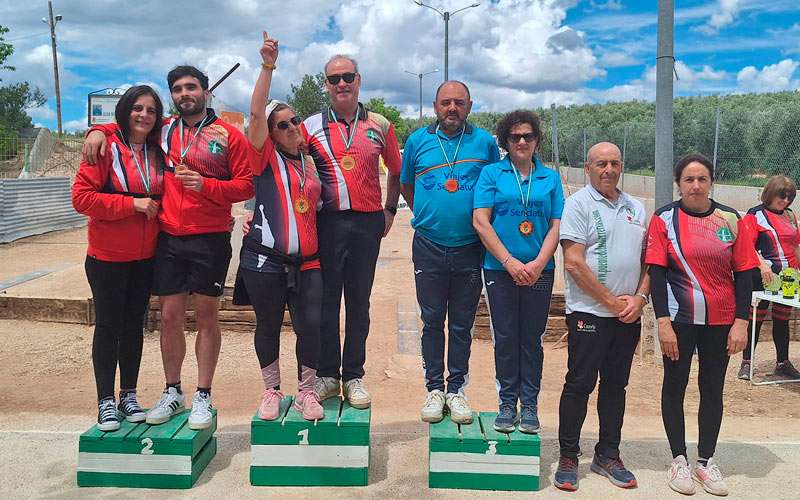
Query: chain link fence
x,y
39,153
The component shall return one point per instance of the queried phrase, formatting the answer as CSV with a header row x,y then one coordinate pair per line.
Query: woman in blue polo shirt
x,y
517,210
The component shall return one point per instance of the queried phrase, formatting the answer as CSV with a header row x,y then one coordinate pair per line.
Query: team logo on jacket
x,y
372,135
724,234
586,327
214,147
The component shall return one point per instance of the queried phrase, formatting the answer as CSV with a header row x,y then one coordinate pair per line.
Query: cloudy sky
x,y
512,53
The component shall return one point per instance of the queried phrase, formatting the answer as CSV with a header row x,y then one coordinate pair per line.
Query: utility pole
x,y
420,75
51,21
665,67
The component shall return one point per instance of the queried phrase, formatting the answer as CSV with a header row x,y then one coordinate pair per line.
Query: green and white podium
x,y
291,451
169,455
476,457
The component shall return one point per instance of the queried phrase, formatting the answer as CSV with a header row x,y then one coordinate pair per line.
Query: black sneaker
x,y
107,419
787,369
566,477
506,419
529,420
130,409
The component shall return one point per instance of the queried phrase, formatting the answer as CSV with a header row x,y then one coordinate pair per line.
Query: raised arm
x,y
257,129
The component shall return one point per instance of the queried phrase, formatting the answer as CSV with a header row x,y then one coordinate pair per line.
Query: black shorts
x,y
196,263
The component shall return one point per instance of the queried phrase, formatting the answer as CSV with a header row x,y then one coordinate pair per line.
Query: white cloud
x,y
41,113
644,88
76,125
595,5
724,14
771,78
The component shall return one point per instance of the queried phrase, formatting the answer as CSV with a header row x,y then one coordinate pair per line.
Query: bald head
x,y
603,149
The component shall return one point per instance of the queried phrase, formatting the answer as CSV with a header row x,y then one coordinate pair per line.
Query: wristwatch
x,y
392,209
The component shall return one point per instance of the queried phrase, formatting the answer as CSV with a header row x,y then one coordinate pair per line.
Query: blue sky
x,y
512,53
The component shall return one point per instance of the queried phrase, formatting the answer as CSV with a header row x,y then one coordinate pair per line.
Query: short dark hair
x,y
776,186
179,72
684,161
122,112
436,98
503,128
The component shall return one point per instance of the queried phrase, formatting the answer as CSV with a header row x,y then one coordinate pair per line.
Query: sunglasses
x,y
283,125
347,77
786,195
529,137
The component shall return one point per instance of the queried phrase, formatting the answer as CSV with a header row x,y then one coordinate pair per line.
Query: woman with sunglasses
x,y
776,238
120,194
279,265
517,211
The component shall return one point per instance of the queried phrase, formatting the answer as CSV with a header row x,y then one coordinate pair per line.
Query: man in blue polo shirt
x,y
441,164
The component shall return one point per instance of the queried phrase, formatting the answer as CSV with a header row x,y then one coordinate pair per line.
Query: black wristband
x,y
391,209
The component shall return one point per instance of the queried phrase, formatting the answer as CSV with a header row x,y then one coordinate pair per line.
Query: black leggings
x,y
270,295
120,291
711,343
780,330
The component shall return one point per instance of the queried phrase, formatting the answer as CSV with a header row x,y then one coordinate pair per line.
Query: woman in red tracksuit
x,y
121,196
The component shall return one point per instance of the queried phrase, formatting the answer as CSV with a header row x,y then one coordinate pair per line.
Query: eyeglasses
x,y
347,77
514,138
283,125
786,195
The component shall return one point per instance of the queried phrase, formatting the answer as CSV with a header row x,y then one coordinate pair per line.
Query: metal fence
x,y
39,154
36,206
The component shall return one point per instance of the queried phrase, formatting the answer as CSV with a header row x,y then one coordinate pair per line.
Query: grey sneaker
x,y
327,387
787,369
679,476
356,394
171,402
529,420
434,406
460,412
506,419
744,370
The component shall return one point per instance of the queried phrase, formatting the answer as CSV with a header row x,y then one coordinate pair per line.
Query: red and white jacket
x,y
105,192
220,154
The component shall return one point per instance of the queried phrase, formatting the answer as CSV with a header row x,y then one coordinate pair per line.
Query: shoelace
x,y
130,405
434,399
713,471
568,464
458,402
270,394
107,410
304,395
683,472
165,400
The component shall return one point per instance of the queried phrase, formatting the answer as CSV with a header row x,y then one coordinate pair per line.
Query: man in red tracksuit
x,y
207,171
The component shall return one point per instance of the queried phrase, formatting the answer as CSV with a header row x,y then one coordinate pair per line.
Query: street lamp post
x,y
446,15
51,21
420,75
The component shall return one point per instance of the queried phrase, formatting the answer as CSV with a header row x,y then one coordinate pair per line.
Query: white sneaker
x,y
679,477
326,387
356,394
460,412
171,402
434,406
200,418
710,477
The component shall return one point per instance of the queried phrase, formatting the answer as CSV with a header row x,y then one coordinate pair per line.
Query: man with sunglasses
x,y
441,164
347,141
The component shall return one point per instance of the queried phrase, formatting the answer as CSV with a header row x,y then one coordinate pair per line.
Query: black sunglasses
x,y
283,125
514,138
787,195
347,77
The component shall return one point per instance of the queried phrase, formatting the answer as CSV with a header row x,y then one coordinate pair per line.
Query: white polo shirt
x,y
613,234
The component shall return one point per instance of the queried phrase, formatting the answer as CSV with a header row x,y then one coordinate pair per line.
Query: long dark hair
x,y
122,112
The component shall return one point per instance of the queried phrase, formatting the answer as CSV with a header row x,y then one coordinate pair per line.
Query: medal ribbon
x,y
524,199
301,172
347,140
145,178
451,164
188,146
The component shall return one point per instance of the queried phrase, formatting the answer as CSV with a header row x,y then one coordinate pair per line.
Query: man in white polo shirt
x,y
602,233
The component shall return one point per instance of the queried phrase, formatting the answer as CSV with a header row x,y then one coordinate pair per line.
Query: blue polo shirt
x,y
497,189
439,215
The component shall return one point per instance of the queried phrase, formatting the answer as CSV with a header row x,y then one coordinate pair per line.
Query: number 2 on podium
x,y
303,437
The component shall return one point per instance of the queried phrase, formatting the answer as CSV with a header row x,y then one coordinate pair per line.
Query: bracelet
x,y
268,65
645,297
505,261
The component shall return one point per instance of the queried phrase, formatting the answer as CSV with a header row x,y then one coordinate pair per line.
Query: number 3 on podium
x,y
303,437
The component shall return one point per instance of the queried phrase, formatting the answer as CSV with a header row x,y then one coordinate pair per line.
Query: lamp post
x,y
446,15
51,22
420,75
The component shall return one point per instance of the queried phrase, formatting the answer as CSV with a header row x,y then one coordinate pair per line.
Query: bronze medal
x,y
525,228
348,162
301,205
451,185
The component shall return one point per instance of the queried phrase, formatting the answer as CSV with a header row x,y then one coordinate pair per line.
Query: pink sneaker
x,y
307,403
270,404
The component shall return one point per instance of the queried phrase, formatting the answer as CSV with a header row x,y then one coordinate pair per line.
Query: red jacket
x,y
105,193
220,154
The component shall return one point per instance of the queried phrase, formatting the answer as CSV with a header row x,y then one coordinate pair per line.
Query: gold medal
x,y
301,205
348,162
181,167
451,185
525,228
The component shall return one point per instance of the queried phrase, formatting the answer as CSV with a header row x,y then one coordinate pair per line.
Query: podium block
x,y
169,455
476,457
291,451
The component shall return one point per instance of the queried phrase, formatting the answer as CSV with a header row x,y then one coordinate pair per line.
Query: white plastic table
x,y
757,297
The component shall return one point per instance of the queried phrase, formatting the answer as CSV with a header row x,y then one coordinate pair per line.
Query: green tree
x,y
391,113
309,97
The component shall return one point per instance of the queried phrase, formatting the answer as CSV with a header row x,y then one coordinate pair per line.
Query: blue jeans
x,y
519,319
448,283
